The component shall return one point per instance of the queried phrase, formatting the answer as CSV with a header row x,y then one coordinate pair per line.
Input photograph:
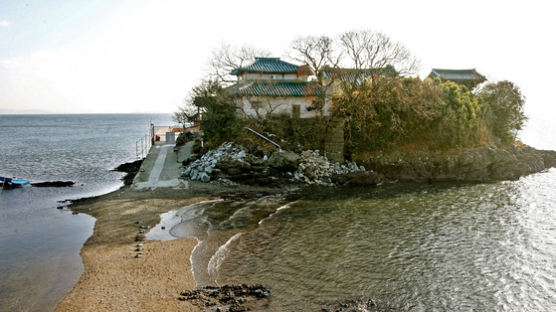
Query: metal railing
x,y
263,137
142,146
155,134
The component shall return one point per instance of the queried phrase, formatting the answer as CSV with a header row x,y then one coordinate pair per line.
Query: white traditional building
x,y
272,86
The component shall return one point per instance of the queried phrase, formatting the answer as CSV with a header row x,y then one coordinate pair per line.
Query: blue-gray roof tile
x,y
267,65
457,74
275,88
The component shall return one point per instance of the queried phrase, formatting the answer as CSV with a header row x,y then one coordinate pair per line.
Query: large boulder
x,y
284,160
232,166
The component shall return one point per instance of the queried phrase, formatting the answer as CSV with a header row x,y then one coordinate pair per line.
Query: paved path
x,y
161,168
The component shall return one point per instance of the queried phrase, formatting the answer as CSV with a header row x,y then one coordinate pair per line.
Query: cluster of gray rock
x,y
316,169
202,169
232,162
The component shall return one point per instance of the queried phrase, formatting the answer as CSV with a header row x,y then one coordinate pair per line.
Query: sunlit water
x,y
439,247
39,244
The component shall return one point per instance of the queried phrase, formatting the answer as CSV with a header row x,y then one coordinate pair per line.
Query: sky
x,y
99,56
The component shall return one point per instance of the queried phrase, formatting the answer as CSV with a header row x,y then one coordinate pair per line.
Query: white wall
x,y
250,106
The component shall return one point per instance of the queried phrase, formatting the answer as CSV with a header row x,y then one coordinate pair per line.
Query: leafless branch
x,y
226,58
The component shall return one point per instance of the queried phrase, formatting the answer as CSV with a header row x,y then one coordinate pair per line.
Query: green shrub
x,y
393,111
503,109
219,121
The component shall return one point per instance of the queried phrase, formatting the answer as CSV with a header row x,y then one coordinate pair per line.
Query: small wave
x,y
220,254
191,260
288,205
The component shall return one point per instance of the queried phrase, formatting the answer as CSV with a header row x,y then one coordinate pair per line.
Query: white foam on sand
x,y
167,220
170,219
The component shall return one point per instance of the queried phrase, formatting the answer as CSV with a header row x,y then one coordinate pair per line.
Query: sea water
x,y
406,246
39,244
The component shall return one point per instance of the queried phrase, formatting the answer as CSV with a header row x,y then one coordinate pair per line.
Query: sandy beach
x,y
114,279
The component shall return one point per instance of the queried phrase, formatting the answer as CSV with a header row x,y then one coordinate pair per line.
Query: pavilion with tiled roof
x,y
467,77
271,85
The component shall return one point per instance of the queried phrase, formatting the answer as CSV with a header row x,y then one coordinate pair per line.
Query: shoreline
x,y
113,277
119,273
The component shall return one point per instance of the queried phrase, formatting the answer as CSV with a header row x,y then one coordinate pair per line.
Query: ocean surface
x,y
409,247
406,246
39,244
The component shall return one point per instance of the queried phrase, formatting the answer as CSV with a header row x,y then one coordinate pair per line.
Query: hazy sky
x,y
96,56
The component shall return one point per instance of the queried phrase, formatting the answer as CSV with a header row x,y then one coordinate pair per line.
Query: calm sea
x,y
409,247
39,244
412,247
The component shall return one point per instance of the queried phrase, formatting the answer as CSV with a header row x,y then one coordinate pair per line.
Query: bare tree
x,y
186,114
374,51
318,54
226,58
367,49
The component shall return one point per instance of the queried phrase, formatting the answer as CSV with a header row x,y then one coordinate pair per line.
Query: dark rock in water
x,y
74,212
130,166
358,305
228,297
360,178
53,184
60,207
131,169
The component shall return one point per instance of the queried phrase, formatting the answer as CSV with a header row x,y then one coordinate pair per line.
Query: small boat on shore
x,y
9,183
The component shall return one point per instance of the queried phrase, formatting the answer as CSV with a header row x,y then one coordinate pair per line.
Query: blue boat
x,y
8,183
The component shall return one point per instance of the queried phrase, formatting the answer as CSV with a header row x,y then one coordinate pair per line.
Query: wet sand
x,y
114,279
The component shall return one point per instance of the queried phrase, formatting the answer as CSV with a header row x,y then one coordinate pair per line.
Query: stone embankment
x,y
232,163
478,164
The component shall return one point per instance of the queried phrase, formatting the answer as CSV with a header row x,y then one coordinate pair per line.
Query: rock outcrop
x,y
478,164
131,169
53,184
228,297
232,163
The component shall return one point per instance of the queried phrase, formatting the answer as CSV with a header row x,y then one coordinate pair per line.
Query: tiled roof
x,y
275,88
267,65
457,74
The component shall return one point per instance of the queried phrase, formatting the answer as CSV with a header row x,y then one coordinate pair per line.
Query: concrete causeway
x,y
161,168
